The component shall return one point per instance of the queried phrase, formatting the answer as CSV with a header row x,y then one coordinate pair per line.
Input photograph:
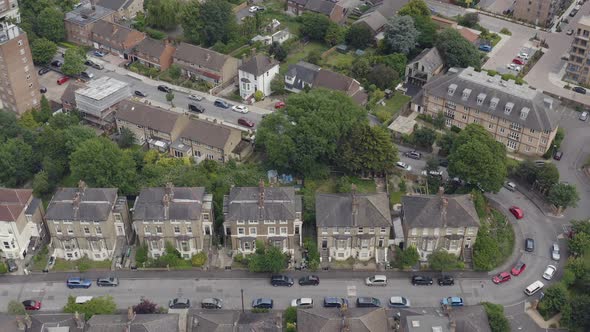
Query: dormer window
x,y
494,102
466,94
524,113
452,89
481,98
508,108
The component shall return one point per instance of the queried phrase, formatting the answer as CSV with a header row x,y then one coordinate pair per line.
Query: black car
x,y
179,303
221,103
197,108
56,63
212,303
529,245
164,88
443,162
107,282
446,281
43,71
309,280
42,89
11,265
558,155
334,302
140,94
421,280
368,302
579,89
263,303
281,280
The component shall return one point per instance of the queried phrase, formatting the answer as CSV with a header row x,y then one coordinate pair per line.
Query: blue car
x,y
453,301
485,48
221,103
78,283
98,54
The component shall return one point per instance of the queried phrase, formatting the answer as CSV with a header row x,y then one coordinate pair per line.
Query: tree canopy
x,y
367,149
209,22
401,34
359,36
162,14
98,305
563,195
456,50
50,24
74,61
414,8
43,51
441,260
384,77
314,26
267,258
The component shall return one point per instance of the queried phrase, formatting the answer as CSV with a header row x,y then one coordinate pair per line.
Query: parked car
x,y
99,54
510,186
262,303
516,211
254,9
399,302
140,94
221,103
549,272
164,88
43,71
42,89
432,173
555,252
501,277
309,280
82,299
62,80
56,63
77,282
529,245
87,75
240,109
334,302
453,301
518,269
280,104
179,303
94,65
403,166
195,97
518,61
413,154
32,305
523,56
197,108
569,32
446,281
579,89
246,123
11,265
304,302
212,303
485,48
513,66
376,280
443,162
583,116
281,280
421,280
558,155
367,302
107,282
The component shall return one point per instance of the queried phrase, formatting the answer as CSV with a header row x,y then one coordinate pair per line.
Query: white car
x,y
513,66
304,302
523,55
240,109
377,280
253,9
555,251
403,166
549,272
432,173
195,97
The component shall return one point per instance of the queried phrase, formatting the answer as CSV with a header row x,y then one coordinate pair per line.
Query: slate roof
x,y
115,5
95,204
320,6
327,320
13,202
540,116
151,47
390,7
429,211
115,34
336,210
374,20
430,58
279,203
426,323
69,94
141,323
200,56
258,65
332,80
303,72
147,116
185,204
208,133
235,321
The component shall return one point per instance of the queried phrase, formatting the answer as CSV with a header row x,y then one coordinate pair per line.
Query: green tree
x,y
126,138
174,71
16,162
314,26
278,51
397,61
50,24
408,257
162,14
199,259
190,19
401,34
41,185
44,112
456,50
98,305
74,61
360,68
359,36
334,35
485,251
214,20
445,142
547,175
427,29
439,121
563,195
290,315
469,20
424,137
141,255
415,8
496,318
382,76
315,57
9,127
441,260
258,95
170,98
267,259
277,85
579,244
43,51
476,157
579,319
16,308
27,120
367,149
555,298
313,255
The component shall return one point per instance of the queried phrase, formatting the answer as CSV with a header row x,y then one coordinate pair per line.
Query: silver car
x,y
583,116
555,252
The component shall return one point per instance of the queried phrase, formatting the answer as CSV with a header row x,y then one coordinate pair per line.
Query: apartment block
x,y
578,65
522,119
537,12
180,216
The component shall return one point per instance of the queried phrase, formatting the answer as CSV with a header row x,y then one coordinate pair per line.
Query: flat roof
x,y
85,14
101,88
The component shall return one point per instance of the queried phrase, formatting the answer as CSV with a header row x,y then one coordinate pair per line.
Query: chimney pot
x,y
441,191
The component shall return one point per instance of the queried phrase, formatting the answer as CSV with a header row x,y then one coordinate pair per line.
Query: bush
x,y
407,257
480,203
141,254
291,327
496,318
199,259
313,254
258,95
290,315
505,31
156,34
3,268
259,311
99,305
145,307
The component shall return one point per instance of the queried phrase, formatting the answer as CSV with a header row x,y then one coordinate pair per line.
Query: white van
x,y
83,299
533,288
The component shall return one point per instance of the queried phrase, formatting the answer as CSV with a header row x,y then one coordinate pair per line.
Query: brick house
x,y
154,53
201,63
115,38
332,9
124,9
80,21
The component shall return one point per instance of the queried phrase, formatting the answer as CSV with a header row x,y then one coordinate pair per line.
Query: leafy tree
x,y
527,171
44,112
563,195
367,149
456,50
431,164
217,22
315,57
415,8
360,68
16,162
580,244
485,251
438,121
334,34
555,298
190,20
469,20
290,315
126,138
199,259
145,306
277,85
27,120
408,257
581,226
580,316
359,36
258,95
547,175
99,305
141,255
74,61
445,142
427,29
15,307
313,255
496,318
174,71
9,127
50,24
401,34
441,260
43,51
41,185
170,97
278,51
267,259
314,26
162,14
424,137
382,76
476,157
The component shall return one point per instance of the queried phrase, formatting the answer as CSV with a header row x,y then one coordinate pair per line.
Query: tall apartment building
x,y
522,119
19,88
578,68
537,12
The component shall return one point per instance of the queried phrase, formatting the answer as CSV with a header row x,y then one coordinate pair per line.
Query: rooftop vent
x,y
452,89
548,102
524,112
466,93
494,102
481,98
508,108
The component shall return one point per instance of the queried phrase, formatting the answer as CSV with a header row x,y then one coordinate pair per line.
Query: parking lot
x,y
49,81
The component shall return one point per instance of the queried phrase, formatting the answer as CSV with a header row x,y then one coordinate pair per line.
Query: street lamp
x,y
242,291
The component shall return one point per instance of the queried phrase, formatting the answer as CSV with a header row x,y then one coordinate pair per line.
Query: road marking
x,y
351,290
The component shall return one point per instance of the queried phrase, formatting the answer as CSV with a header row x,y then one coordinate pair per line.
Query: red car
x,y
280,104
518,269
62,80
245,122
32,305
517,212
502,277
518,61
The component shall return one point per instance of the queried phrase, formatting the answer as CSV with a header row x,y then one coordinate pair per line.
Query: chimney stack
x,y
79,320
441,191
93,4
261,194
82,186
130,314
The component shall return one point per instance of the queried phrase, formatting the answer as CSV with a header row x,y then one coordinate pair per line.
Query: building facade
x,y
578,69
92,222
115,38
271,215
424,67
124,9
21,222
522,119
154,53
201,63
80,21
256,74
97,100
180,216
537,12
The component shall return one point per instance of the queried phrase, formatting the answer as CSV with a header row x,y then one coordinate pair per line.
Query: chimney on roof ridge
x,y
261,194
76,200
130,314
443,212
169,189
82,186
79,321
441,191
93,4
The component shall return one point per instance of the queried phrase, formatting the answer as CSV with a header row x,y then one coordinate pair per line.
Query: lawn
x,y
82,264
392,106
338,60
396,197
301,53
362,186
39,261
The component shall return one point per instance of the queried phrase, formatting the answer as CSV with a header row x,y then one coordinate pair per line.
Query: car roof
x,y
263,300
210,300
306,300
456,299
396,299
180,300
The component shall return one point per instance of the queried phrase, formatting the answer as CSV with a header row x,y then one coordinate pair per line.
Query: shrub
x,y
496,318
3,268
505,31
156,34
141,254
480,203
290,315
99,305
313,254
258,95
145,307
199,259
291,327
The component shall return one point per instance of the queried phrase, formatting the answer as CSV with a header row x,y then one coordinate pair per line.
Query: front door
x,y
324,243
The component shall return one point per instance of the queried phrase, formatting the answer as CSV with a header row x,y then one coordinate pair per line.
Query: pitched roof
x,y
141,323
90,204
200,56
374,20
320,6
43,323
430,58
207,132
303,72
468,34
69,95
184,203
115,5
357,319
332,80
278,203
389,8
530,108
114,34
236,321
338,210
13,202
147,115
258,65
151,47
429,211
